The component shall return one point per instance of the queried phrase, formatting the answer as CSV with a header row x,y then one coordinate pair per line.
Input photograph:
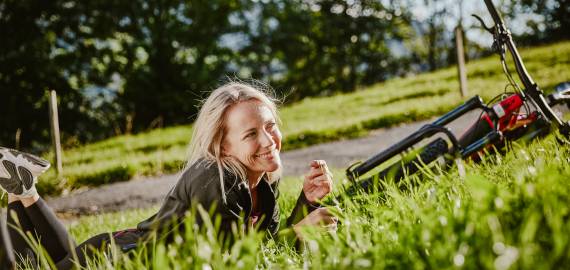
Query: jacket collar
x,y
266,197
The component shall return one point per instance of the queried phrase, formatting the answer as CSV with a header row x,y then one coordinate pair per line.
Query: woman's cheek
x,y
252,151
250,161
277,138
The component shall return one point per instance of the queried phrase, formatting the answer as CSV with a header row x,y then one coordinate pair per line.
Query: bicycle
x,y
524,114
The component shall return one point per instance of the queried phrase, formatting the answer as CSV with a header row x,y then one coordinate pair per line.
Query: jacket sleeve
x,y
229,215
302,208
197,186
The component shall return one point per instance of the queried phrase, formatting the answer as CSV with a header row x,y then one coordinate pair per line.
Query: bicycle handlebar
x,y
503,37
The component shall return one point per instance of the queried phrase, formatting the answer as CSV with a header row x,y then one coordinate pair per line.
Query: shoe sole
x,y
44,164
20,176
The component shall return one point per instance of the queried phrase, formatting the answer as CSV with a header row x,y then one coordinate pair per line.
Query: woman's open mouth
x,y
267,155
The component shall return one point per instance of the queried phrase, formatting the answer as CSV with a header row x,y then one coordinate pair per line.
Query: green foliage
x,y
508,212
309,58
127,67
122,172
550,26
34,33
314,120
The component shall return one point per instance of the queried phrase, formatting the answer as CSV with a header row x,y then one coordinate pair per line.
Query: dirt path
x,y
150,191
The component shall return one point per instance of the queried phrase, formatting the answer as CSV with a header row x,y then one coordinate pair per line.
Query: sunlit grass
x,y
508,212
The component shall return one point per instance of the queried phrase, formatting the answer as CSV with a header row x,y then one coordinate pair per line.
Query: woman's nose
x,y
266,139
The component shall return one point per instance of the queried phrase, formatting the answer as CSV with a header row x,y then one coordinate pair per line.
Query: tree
x,y
33,59
114,64
179,55
551,25
320,47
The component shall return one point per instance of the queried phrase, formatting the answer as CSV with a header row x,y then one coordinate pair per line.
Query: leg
x,y
18,222
40,220
125,240
48,228
84,251
7,260
53,238
18,174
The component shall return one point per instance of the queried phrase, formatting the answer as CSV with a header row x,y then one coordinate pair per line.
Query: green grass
x,y
311,121
509,211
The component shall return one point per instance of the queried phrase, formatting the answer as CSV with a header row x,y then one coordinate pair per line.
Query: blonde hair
x,y
209,128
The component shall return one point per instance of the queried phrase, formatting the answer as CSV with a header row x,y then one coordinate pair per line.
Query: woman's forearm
x,y
302,208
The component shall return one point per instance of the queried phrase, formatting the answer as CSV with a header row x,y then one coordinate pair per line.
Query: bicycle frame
x,y
503,38
497,122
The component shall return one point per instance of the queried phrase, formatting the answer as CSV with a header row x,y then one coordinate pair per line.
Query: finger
x,y
321,181
329,173
332,229
322,188
322,165
333,222
329,220
318,190
326,169
324,212
313,173
317,163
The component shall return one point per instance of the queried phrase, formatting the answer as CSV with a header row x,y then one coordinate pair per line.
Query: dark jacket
x,y
200,184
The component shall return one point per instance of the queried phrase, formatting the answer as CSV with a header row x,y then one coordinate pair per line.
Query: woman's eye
x,y
249,135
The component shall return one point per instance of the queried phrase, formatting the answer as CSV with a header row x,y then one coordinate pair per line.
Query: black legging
x,y
39,220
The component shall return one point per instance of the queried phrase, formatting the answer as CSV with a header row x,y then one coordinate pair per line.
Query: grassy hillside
x,y
509,212
311,121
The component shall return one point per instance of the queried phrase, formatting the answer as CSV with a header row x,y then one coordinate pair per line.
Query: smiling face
x,y
253,138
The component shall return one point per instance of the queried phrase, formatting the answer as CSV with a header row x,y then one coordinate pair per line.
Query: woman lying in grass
x,y
233,167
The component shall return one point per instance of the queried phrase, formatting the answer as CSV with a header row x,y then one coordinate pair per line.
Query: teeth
x,y
267,155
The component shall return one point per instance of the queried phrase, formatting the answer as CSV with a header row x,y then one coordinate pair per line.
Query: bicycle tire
x,y
397,171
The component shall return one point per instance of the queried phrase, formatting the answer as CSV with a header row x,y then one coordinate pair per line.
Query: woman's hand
x,y
318,182
319,217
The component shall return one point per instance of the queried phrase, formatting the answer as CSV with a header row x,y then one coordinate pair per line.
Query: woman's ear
x,y
224,150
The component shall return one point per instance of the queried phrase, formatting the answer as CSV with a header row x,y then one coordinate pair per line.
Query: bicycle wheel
x,y
409,165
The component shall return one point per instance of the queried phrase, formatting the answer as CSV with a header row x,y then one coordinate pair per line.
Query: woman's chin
x,y
273,168
272,165
266,164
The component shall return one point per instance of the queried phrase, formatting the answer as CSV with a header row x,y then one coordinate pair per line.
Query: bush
x,y
118,173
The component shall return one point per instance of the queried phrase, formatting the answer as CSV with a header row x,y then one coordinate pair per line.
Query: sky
x,y
471,25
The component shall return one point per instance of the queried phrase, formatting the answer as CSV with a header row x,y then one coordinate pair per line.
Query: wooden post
x,y
18,137
55,131
461,61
